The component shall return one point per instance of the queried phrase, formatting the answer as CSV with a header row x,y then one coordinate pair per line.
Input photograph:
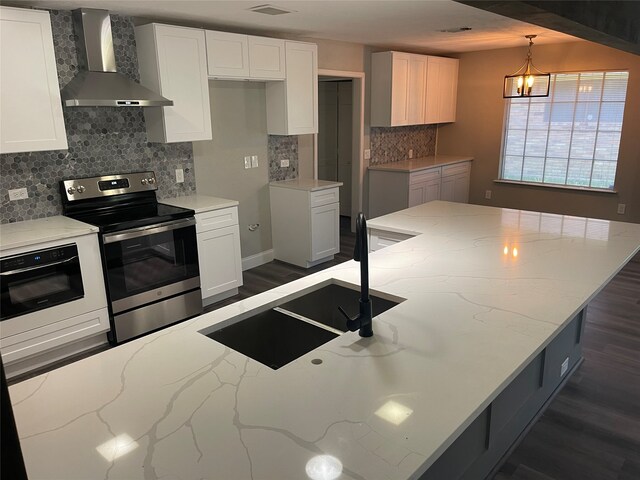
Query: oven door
x,y
40,279
150,263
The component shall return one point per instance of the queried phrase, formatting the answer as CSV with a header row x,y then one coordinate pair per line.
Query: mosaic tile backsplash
x,y
282,148
102,140
392,144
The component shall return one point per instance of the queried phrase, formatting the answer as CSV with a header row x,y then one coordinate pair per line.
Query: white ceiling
x,y
400,24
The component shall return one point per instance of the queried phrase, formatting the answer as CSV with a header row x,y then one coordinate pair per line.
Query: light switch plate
x,y
247,162
254,161
179,175
367,154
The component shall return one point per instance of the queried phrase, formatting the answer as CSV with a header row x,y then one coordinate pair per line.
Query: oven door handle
x,y
38,267
147,230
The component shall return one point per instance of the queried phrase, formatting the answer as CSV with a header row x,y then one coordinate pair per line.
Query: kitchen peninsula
x,y
487,291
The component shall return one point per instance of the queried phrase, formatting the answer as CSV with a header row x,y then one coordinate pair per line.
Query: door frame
x,y
357,148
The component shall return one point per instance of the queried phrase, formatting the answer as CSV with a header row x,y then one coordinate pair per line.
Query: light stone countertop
x,y
41,230
200,203
422,163
307,184
180,405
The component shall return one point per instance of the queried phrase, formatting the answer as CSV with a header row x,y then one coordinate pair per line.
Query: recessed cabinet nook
x,y
412,89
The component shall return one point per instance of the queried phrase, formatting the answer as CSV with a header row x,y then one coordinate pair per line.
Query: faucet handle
x,y
353,324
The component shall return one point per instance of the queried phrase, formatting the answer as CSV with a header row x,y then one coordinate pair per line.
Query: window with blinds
x,y
570,137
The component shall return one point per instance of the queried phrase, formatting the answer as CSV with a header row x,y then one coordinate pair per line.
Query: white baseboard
x,y
256,260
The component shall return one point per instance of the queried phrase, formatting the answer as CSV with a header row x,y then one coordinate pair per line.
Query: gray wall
x,y
238,119
101,140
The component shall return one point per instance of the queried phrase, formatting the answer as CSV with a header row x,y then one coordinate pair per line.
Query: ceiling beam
x,y
612,23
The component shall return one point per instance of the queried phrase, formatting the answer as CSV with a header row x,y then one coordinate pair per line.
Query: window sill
x,y
560,187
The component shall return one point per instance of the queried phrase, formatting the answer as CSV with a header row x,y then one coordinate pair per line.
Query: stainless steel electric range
x,y
149,251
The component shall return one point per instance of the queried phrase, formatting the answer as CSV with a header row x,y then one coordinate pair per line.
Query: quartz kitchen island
x,y
486,290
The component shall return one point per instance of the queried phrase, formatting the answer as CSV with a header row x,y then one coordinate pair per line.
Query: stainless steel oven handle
x,y
38,267
147,230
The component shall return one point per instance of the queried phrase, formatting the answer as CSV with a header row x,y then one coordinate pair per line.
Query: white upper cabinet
x,y
411,89
292,105
173,62
441,91
31,110
244,57
227,55
398,89
266,58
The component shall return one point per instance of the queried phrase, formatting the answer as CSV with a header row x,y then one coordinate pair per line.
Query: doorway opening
x,y
339,142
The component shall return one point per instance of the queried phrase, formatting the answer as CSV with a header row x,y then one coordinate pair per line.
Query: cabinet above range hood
x,y
98,84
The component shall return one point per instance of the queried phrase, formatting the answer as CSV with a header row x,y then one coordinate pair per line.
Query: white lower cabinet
x,y
305,225
393,190
455,183
219,255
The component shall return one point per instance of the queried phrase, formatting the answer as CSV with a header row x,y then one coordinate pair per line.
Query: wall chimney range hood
x,y
98,84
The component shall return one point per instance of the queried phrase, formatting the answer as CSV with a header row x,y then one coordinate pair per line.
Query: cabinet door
x,y
432,191
325,231
432,94
302,88
183,78
441,94
31,114
417,83
417,194
400,86
455,188
292,105
447,86
227,55
266,58
220,261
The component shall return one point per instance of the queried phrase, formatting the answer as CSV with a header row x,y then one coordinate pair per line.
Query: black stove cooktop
x,y
118,202
124,218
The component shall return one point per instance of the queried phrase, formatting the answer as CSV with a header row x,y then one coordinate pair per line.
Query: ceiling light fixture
x,y
268,9
522,82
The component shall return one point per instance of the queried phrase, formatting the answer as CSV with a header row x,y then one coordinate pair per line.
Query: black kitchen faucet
x,y
363,320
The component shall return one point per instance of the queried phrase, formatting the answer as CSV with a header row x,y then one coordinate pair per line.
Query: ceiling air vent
x,y
270,10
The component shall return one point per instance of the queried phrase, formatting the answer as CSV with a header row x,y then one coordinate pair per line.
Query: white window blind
x,y
570,137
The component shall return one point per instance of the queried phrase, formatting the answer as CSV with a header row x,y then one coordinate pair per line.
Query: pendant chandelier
x,y
527,81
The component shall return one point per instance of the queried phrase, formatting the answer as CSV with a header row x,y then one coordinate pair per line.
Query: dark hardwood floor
x,y
591,430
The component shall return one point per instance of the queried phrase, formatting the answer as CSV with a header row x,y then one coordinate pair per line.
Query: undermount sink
x,y
296,326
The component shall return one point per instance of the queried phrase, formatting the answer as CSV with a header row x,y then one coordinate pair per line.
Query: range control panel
x,y
94,187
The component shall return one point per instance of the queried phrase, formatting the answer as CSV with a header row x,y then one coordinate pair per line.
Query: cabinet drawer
x,y
456,169
324,197
424,176
224,217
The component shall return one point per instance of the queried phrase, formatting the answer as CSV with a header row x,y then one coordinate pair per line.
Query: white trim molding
x,y
256,260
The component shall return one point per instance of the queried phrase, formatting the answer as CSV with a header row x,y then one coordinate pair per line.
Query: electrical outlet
x,y
487,194
284,163
254,161
622,207
179,175
411,153
564,367
367,154
247,162
18,194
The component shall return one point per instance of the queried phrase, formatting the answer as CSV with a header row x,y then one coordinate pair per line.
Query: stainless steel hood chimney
x,y
100,85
